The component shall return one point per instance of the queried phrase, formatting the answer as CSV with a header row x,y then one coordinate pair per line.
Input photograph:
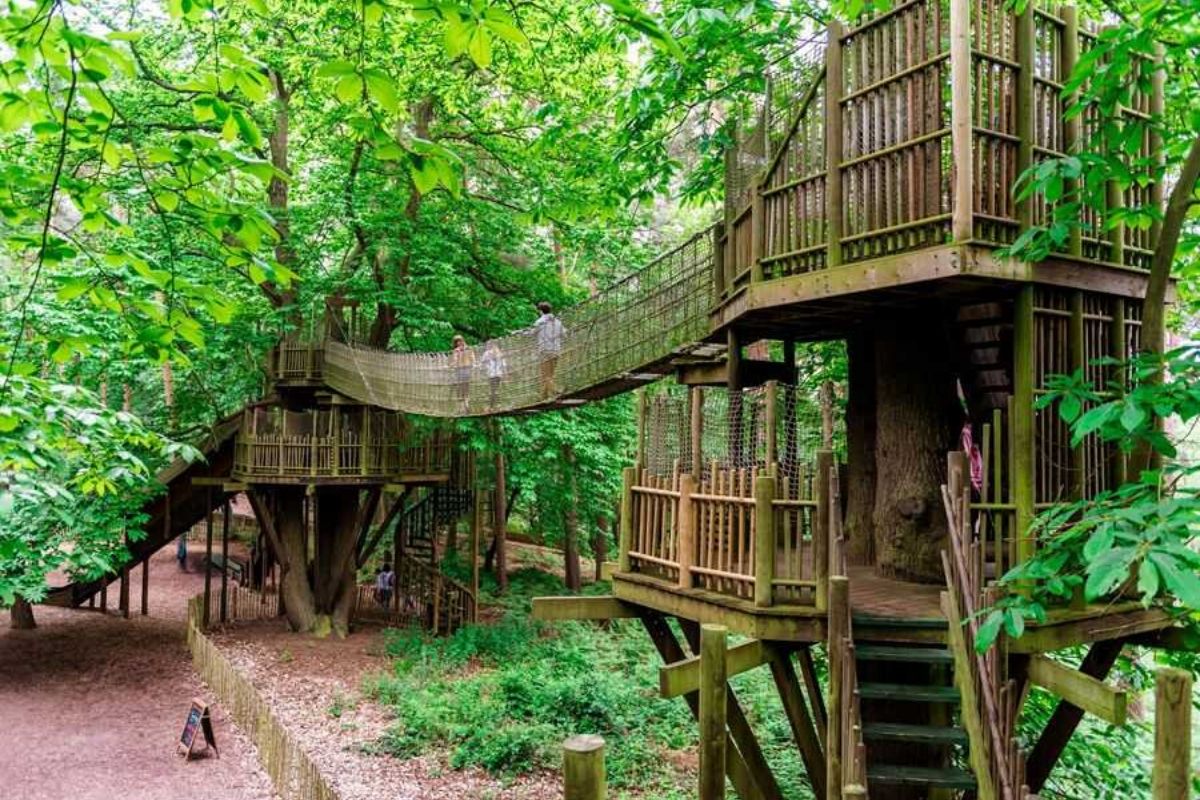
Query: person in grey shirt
x,y
548,334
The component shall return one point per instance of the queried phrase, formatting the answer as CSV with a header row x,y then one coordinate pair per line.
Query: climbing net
x,y
622,335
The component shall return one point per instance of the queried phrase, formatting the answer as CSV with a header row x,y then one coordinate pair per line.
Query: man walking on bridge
x,y
549,333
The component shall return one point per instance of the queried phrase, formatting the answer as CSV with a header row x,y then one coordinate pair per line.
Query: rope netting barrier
x,y
736,432
622,335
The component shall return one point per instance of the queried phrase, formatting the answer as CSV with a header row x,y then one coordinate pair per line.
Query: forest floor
x,y
92,705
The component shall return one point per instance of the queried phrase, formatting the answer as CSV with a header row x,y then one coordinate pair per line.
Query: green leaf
x,y
480,47
986,636
72,288
348,88
335,69
382,90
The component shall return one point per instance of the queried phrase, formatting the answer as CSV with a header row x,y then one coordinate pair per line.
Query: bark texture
x,y
860,450
916,422
20,615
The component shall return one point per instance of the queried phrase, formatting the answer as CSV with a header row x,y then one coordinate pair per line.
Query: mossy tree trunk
x,y
860,450
917,418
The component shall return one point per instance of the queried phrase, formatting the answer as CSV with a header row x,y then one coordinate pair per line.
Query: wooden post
x,y
583,768
961,125
1021,423
718,248
697,433
208,541
733,383
104,595
476,537
643,409
838,627
764,539
713,697
628,477
1073,126
123,596
770,395
1025,35
500,525
226,515
821,527
1157,109
1172,777
1078,358
145,586
833,144
1120,351
758,233
685,524
827,415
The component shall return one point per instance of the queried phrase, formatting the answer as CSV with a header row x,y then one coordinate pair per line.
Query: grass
x,y
502,696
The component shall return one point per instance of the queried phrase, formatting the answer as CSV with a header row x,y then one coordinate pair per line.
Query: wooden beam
x,y
1066,718
1080,689
833,144
573,607
979,752
683,676
1172,777
713,689
583,768
754,372
804,731
670,650
961,131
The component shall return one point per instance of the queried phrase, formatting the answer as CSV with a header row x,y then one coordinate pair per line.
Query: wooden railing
x,y
348,455
423,596
743,533
296,360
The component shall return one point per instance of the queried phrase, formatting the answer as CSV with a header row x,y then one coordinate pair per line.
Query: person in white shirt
x,y
548,332
495,367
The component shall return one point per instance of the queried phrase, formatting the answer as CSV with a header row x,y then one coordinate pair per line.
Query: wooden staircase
x,y
440,505
923,690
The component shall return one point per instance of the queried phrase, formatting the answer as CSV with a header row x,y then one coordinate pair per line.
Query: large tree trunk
x,y
860,450
917,419
572,570
20,615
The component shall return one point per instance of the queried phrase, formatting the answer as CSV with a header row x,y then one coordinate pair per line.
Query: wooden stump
x,y
583,768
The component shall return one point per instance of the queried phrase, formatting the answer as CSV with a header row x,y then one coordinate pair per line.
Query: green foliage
x,y
1137,538
503,695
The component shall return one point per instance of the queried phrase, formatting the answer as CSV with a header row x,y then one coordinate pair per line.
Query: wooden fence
x,y
347,455
744,533
292,772
423,596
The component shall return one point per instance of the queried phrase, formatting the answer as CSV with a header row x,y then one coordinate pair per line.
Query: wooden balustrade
x,y
423,596
297,361
745,533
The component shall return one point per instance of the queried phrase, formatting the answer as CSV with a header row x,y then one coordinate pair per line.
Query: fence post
x,y
833,144
838,628
713,690
1021,424
1026,38
685,525
718,246
628,476
642,411
961,132
583,768
1073,127
771,415
1172,734
758,234
820,535
697,433
764,539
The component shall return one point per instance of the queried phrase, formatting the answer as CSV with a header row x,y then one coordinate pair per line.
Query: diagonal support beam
x,y
1066,717
799,718
683,677
366,549
1080,690
266,521
739,728
670,651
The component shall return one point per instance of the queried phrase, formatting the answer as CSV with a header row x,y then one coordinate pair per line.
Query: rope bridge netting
x,y
626,333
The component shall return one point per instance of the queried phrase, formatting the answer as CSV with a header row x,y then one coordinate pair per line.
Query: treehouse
x,y
869,202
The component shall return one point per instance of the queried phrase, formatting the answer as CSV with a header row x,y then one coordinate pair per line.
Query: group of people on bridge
x,y
548,334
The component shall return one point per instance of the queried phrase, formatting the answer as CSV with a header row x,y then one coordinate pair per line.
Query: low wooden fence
x,y
746,533
292,772
348,455
423,596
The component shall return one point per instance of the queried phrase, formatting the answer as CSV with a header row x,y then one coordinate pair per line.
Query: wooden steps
x,y
924,734
933,777
908,692
922,655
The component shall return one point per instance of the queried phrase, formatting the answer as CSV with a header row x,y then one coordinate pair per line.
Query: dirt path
x,y
91,706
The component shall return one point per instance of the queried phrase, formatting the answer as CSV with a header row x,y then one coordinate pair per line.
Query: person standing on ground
x,y
462,358
181,551
385,582
495,367
548,332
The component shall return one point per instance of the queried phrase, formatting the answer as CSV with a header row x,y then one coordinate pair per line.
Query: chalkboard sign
x,y
198,721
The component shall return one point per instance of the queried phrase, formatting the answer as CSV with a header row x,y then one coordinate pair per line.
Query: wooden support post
x,y
812,686
718,248
758,233
476,538
583,768
1073,127
643,409
123,596
827,415
683,677
1157,109
838,627
685,525
764,539
104,595
1025,39
1078,359
1021,423
697,433
226,515
145,586
801,721
770,401
833,144
1120,352
208,542
713,688
750,785
1172,778
628,478
500,524
821,526
961,125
